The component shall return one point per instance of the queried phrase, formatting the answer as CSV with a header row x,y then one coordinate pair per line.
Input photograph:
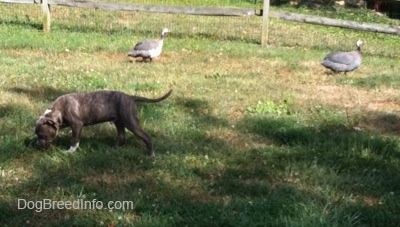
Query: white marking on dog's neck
x,y
73,148
47,111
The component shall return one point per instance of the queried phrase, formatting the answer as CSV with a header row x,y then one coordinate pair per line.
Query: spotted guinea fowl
x,y
343,61
149,48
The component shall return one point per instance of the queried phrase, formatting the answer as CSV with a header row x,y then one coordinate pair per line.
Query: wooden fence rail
x,y
370,27
210,11
207,11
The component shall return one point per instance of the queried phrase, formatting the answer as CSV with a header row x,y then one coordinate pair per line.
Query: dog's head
x,y
46,130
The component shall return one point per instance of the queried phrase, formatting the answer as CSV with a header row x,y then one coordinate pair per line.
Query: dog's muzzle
x,y
42,144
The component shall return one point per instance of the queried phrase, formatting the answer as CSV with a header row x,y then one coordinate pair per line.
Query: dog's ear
x,y
57,117
54,118
52,123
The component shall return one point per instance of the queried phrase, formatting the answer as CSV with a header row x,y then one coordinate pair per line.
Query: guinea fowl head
x,y
359,42
164,32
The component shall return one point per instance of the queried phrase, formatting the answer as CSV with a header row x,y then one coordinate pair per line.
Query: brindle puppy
x,y
80,109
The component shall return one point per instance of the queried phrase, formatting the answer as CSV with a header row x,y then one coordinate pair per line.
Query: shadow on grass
x,y
41,93
16,132
218,183
147,31
200,110
10,110
23,23
386,123
366,163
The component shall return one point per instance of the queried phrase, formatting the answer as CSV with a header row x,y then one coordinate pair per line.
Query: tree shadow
x,y
45,93
10,110
358,157
22,23
386,123
14,120
200,110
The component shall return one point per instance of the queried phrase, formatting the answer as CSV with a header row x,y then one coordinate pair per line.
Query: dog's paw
x,y
72,149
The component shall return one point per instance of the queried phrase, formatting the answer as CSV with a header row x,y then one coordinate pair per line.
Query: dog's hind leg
x,y
133,125
121,139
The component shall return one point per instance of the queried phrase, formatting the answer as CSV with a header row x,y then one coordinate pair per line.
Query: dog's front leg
x,y
76,135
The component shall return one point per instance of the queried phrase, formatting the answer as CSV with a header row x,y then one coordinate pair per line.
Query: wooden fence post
x,y
264,31
46,16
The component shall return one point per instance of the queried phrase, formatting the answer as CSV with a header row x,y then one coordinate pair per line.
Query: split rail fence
x,y
208,11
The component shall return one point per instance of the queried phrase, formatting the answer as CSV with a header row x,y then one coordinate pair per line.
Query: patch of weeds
x,y
270,107
94,80
326,115
97,83
216,76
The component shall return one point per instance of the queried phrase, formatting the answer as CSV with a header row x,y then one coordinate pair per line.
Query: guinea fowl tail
x,y
143,99
132,53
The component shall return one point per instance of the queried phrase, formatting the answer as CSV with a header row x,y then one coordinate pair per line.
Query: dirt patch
x,y
114,57
351,98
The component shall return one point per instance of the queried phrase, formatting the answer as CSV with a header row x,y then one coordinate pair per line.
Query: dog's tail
x,y
143,99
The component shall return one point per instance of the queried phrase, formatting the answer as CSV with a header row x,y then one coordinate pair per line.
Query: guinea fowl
x,y
343,61
150,48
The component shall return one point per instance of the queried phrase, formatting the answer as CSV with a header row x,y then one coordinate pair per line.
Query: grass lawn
x,y
251,136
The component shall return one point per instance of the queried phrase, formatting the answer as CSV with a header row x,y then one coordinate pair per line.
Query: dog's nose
x,y
42,144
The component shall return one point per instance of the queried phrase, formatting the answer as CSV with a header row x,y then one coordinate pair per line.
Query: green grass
x,y
250,136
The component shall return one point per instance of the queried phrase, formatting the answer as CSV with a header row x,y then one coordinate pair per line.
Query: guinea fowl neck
x,y
161,40
162,35
358,47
